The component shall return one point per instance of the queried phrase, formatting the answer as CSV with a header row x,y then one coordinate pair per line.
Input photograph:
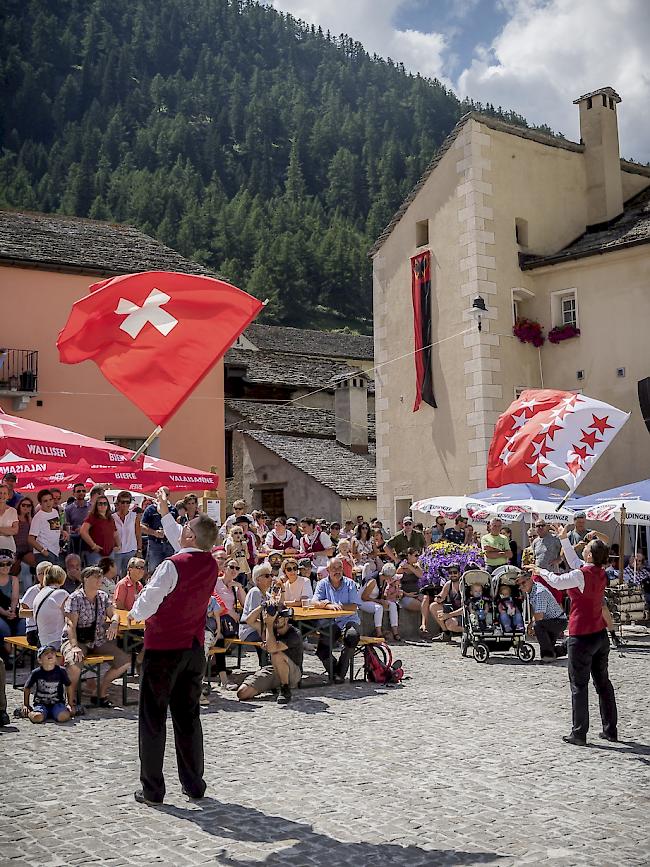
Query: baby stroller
x,y
482,627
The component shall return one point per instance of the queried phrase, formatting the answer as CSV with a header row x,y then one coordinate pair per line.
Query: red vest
x,y
586,616
314,547
181,616
280,544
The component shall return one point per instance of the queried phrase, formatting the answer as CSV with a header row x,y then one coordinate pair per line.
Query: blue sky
x,y
534,56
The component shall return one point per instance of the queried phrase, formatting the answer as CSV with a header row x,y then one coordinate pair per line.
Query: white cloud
x,y
549,53
371,23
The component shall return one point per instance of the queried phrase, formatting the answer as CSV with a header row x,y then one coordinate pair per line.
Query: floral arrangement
x,y
562,332
441,555
528,331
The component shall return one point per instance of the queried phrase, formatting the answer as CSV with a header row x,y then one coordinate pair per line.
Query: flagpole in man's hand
x,y
145,445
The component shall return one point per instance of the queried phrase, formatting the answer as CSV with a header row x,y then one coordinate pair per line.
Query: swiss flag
x,y
155,335
547,435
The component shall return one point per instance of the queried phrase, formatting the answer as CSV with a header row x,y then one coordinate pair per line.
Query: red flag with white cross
x,y
547,435
156,335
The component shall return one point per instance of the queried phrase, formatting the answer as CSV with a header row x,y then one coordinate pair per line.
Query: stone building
x,y
540,228
300,422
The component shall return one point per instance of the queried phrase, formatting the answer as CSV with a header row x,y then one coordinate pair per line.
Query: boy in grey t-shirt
x,y
546,548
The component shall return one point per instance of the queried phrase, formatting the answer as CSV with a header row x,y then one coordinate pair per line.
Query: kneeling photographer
x,y
283,643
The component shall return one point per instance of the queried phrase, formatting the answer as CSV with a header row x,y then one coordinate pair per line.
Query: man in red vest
x,y
588,644
174,604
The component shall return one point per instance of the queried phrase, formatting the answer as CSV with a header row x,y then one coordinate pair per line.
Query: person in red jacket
x,y
173,604
588,644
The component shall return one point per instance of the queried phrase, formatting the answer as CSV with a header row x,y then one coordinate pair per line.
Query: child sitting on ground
x,y
53,697
480,614
510,616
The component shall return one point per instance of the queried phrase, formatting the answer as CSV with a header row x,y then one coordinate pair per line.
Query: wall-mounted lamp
x,y
478,309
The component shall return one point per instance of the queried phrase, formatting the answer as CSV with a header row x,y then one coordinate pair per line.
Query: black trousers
x,y
547,631
171,679
351,637
588,656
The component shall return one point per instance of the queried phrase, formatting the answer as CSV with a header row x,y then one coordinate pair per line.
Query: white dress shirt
x,y
158,587
173,531
574,578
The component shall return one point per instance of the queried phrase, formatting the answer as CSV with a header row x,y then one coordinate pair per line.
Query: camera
x,y
273,609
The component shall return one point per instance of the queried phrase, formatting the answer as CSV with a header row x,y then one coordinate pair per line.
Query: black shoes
x,y
191,797
285,694
606,737
141,799
575,741
546,660
4,718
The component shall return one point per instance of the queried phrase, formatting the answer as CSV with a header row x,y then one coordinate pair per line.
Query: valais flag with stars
x,y
548,436
156,335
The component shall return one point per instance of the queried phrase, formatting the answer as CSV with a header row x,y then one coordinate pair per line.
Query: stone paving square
x,y
462,764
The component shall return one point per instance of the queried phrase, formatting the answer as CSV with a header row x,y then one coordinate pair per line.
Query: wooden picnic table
x,y
313,619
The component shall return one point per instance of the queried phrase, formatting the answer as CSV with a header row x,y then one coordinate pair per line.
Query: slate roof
x,y
334,344
344,472
500,126
290,419
57,242
630,229
286,368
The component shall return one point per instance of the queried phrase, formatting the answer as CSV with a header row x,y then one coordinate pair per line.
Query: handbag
x,y
86,634
229,626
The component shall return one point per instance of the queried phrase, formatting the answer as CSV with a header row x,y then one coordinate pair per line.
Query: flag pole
x,y
145,445
621,550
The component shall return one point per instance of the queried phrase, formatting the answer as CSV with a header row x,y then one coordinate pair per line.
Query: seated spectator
x,y
99,532
496,547
86,633
24,548
54,696
45,529
281,539
344,553
27,604
219,554
348,529
129,587
448,606
438,530
233,596
214,638
239,507
457,533
374,602
292,525
48,608
283,643
73,572
315,543
10,622
250,625
8,523
246,544
408,537
335,533
410,573
636,573
109,573
129,533
306,570
275,562
337,593
296,586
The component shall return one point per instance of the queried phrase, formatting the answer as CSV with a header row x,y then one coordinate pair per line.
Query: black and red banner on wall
x,y
421,290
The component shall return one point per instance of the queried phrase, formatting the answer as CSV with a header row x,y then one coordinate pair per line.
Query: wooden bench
x,y
91,664
229,643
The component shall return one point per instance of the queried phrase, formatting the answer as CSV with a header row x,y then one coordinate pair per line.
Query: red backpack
x,y
378,665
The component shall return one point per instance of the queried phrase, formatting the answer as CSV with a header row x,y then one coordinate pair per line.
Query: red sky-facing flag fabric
x,y
546,436
156,335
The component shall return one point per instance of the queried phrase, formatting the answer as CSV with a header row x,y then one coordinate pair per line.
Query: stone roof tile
x,y
329,463
334,344
285,368
290,418
71,243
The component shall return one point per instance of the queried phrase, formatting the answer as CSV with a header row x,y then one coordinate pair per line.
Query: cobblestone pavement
x,y
463,764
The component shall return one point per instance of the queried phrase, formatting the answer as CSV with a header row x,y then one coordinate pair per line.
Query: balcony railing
x,y
18,371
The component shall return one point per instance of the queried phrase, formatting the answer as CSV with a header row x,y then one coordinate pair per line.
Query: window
x,y
229,468
519,296
421,233
273,501
132,443
521,232
564,308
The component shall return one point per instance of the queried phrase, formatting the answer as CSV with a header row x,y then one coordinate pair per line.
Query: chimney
x,y
599,134
351,411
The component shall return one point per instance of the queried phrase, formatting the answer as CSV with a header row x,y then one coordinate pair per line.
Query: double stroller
x,y
494,621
